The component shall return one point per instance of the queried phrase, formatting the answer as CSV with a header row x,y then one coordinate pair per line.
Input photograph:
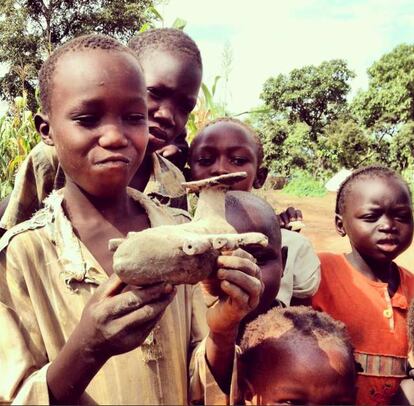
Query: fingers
x,y
289,215
239,260
151,312
134,298
169,150
109,288
243,288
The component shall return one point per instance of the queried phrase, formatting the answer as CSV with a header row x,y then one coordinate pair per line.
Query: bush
x,y
303,184
17,137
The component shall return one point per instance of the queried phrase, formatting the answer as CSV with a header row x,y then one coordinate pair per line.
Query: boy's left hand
x,y
241,286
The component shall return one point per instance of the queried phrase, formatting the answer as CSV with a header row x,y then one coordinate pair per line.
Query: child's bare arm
x,y
115,320
242,286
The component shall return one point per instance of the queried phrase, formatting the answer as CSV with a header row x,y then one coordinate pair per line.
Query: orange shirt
x,y
376,323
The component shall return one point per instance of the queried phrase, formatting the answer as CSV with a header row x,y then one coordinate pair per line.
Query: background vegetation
x,y
309,124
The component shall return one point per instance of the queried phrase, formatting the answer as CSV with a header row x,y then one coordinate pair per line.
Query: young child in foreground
x,y
74,333
365,289
228,145
296,356
172,68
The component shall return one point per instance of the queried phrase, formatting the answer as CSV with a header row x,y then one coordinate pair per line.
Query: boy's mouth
x,y
388,245
158,137
114,160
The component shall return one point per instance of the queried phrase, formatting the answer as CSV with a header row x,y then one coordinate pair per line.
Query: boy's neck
x,y
82,206
374,270
143,174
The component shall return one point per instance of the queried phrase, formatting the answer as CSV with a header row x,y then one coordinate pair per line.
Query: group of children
x,y
112,122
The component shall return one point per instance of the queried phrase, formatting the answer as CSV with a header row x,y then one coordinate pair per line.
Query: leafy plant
x,y
17,137
207,109
304,184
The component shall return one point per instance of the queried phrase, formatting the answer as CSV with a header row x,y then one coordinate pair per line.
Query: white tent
x,y
333,184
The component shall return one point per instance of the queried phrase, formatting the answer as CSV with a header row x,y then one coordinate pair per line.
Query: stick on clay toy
x,y
183,253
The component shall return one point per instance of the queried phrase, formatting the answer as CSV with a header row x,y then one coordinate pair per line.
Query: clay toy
x,y
183,253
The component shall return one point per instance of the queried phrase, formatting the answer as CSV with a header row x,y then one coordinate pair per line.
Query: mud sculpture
x,y
183,253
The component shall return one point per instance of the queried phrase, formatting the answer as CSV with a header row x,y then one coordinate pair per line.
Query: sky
x,y
269,37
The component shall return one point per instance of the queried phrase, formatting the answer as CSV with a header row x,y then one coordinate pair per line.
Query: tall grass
x,y
17,137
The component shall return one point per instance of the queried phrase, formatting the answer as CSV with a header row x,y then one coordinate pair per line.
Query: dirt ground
x,y
319,220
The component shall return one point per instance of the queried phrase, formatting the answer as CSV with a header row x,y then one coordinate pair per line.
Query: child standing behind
x,y
228,145
364,288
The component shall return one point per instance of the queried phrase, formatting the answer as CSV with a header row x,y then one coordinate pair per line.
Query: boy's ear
x,y
284,251
339,225
43,128
260,179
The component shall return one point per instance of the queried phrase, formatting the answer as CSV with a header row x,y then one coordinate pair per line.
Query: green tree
x,y
287,147
314,95
31,29
344,144
401,154
389,100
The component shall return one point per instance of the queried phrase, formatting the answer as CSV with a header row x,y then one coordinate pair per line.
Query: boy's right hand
x,y
119,317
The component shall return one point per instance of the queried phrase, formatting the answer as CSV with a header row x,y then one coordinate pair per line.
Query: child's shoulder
x,y
333,263
294,240
22,230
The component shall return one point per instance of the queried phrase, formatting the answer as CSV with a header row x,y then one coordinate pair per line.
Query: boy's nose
x,y
387,224
113,136
220,168
165,115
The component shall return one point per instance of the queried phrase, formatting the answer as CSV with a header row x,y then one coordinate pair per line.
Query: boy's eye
x,y
154,92
371,217
403,217
239,161
135,118
87,120
205,161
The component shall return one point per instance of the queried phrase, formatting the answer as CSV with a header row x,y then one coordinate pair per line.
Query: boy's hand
x,y
118,317
289,216
241,286
169,150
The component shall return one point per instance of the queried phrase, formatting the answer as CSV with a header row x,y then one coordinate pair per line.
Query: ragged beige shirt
x,y
47,276
40,173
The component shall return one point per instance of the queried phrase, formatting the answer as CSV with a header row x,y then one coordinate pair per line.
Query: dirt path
x,y
319,220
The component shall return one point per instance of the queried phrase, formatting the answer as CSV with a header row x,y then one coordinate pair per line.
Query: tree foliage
x,y
314,95
344,144
389,100
31,29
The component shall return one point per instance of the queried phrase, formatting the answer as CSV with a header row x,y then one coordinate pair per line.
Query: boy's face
x,y
302,373
98,119
173,82
224,148
377,218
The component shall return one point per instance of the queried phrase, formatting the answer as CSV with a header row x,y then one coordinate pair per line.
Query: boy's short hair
x,y
249,129
304,321
82,43
370,172
166,39
238,200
